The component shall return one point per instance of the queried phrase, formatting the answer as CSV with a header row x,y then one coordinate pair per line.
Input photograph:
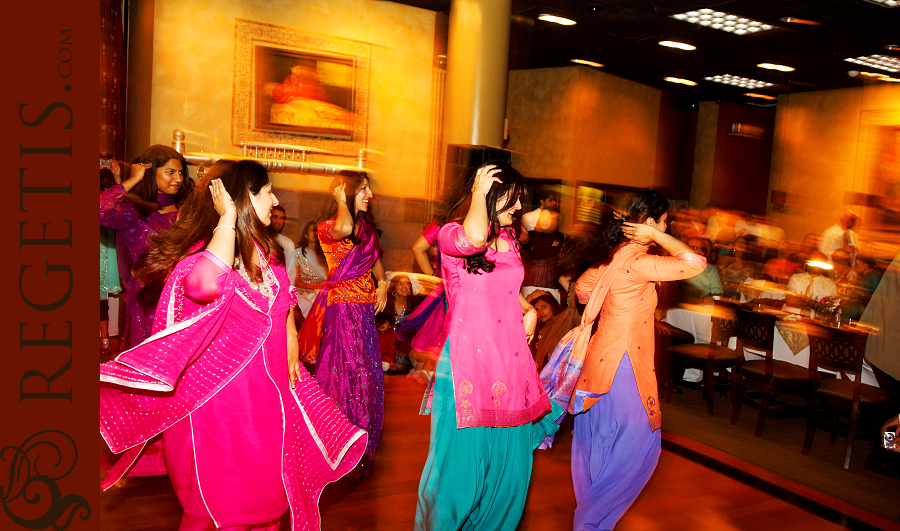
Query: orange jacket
x,y
626,322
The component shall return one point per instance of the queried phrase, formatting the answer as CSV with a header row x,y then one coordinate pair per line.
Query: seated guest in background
x,y
548,327
842,272
711,217
401,301
702,287
809,244
813,282
868,275
386,341
749,225
741,267
841,236
782,267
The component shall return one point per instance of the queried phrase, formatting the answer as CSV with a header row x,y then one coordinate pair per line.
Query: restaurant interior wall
x,y
192,86
577,124
822,149
740,177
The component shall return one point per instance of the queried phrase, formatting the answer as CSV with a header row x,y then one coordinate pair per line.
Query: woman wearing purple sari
x,y
143,205
137,208
339,334
248,433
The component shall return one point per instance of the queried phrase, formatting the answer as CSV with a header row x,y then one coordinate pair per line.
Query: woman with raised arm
x,y
144,204
248,433
339,333
609,382
489,411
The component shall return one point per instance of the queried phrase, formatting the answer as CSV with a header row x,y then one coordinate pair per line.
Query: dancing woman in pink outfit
x,y
248,433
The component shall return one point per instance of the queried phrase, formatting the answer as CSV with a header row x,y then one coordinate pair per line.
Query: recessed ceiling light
x,y
770,66
585,62
882,62
679,45
880,77
738,81
885,3
763,96
687,82
723,21
556,19
795,20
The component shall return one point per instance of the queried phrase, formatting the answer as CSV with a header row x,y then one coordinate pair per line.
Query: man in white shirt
x,y
279,216
812,283
841,236
749,225
545,218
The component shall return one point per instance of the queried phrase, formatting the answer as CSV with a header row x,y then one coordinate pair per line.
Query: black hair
x,y
511,183
384,318
143,195
578,254
353,181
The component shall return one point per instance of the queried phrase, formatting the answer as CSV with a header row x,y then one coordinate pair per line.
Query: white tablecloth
x,y
697,320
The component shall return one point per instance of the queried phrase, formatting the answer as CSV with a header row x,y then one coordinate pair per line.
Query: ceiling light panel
x,y
723,21
737,81
882,62
761,96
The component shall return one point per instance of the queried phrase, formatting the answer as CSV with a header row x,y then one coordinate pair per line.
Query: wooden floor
x,y
682,495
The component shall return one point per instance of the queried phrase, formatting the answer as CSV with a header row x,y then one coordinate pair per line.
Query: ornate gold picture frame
x,y
298,88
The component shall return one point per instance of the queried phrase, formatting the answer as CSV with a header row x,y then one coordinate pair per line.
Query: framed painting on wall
x,y
298,88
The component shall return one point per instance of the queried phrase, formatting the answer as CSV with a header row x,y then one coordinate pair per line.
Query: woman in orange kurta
x,y
616,443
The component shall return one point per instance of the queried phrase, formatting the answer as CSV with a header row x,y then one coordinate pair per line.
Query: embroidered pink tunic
x,y
214,378
494,378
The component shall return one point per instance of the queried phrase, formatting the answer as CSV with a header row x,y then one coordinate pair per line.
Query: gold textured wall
x,y
193,69
576,123
821,150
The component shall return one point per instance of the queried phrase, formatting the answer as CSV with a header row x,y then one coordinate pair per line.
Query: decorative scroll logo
x,y
34,468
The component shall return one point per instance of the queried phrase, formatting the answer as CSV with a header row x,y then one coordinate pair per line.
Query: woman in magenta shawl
x,y
489,411
145,204
248,433
339,334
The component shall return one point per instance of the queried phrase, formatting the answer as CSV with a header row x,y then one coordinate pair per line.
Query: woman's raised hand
x,y
639,232
484,179
339,194
138,170
222,200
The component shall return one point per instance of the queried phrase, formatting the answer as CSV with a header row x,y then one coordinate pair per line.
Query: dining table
x,y
790,344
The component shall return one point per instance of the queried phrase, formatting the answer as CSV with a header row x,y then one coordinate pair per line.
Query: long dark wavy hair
x,y
143,195
197,220
457,206
598,249
353,181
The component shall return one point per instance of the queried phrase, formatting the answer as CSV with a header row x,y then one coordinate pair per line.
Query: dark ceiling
x,y
623,35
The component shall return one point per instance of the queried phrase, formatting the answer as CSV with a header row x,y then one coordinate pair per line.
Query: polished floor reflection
x,y
682,495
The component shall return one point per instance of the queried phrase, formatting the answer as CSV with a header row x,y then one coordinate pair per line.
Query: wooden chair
x,y
714,356
839,350
756,331
665,336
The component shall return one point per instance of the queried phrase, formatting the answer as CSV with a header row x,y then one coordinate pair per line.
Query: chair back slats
x,y
836,350
756,330
724,322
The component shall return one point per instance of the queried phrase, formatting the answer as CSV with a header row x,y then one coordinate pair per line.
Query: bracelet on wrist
x,y
223,227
